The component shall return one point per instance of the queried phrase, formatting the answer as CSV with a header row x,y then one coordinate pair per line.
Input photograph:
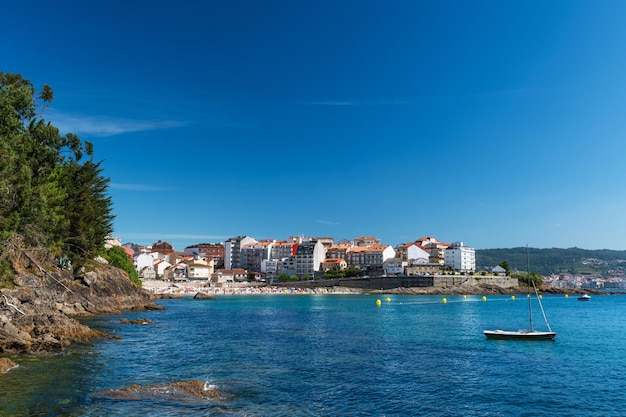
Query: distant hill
x,y
554,260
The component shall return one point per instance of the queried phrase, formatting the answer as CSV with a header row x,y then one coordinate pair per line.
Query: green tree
x,y
285,277
87,209
352,271
117,257
334,272
506,266
50,198
535,277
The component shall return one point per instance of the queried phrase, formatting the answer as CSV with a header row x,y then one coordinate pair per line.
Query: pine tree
x,y
49,196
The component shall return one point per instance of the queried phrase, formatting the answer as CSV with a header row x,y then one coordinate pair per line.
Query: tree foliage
x,y
117,257
52,193
554,260
506,266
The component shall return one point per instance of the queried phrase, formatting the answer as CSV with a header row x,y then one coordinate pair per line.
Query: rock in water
x,y
6,365
203,296
193,390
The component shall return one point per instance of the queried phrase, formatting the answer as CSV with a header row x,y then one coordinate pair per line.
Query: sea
x,y
339,355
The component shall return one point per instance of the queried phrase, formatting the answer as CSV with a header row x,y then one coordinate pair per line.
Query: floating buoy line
x,y
444,300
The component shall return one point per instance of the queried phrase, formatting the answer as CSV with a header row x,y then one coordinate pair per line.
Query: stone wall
x,y
387,283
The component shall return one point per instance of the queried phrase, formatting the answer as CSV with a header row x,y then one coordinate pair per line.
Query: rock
x,y
36,317
203,296
193,390
135,321
89,278
6,365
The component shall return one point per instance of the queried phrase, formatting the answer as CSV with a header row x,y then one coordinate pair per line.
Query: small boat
x,y
584,297
520,334
530,334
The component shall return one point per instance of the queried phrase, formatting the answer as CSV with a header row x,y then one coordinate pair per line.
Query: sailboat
x,y
530,333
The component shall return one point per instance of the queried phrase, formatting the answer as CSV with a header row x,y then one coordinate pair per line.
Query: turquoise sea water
x,y
336,355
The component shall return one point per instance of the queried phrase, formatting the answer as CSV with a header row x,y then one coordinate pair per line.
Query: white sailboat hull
x,y
520,334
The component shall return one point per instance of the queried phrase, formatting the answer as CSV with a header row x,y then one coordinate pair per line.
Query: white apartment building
x,y
309,257
232,251
253,255
460,258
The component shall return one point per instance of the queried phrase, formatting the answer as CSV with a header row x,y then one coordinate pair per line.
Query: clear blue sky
x,y
495,123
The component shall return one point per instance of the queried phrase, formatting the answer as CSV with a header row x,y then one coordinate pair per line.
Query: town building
x,y
460,258
411,251
338,250
366,241
334,263
225,276
208,251
394,266
164,248
232,251
199,269
309,257
364,257
253,255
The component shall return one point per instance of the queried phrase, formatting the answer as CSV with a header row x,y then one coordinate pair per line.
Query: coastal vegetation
x,y
53,196
555,261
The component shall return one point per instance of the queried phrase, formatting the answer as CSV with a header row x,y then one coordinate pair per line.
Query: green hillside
x,y
554,260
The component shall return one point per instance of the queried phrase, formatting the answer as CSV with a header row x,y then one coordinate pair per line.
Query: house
x,y
176,272
160,267
208,251
369,256
338,251
394,266
366,241
143,260
411,251
164,248
199,269
498,270
423,268
334,263
147,272
224,276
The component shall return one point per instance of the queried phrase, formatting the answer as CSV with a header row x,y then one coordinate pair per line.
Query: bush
x,y
117,257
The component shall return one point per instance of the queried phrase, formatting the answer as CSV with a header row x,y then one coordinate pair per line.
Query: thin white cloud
x,y
366,102
137,187
327,222
105,126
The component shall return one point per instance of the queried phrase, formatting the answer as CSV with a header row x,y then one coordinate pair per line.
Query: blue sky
x,y
495,123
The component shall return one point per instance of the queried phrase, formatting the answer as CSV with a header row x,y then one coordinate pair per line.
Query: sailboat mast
x,y
530,304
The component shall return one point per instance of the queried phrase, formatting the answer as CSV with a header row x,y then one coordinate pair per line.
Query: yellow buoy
x,y
444,300
378,303
513,297
388,300
484,298
540,296
566,295
464,297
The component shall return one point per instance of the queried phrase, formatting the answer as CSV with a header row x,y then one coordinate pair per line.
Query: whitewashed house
x,y
394,266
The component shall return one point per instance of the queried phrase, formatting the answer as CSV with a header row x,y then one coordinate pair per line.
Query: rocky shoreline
x,y
39,314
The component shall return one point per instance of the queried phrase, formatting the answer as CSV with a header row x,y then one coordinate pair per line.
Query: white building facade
x,y
232,251
460,258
